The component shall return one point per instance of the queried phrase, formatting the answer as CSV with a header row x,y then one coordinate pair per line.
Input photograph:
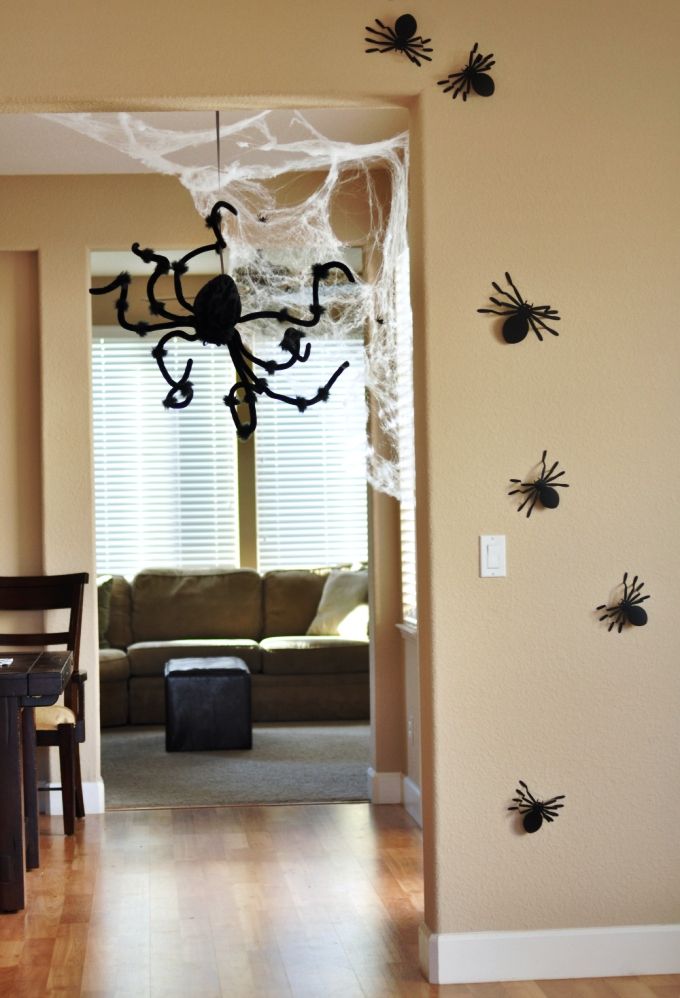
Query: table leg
x,y
30,788
11,808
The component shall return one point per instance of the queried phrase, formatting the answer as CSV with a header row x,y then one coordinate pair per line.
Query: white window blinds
x,y
165,480
311,466
407,469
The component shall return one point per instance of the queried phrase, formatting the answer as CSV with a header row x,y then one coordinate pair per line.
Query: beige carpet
x,y
287,763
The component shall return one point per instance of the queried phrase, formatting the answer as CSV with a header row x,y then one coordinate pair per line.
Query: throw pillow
x,y
354,627
104,586
341,593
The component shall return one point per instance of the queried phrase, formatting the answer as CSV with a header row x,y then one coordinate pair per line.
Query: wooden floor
x,y
312,900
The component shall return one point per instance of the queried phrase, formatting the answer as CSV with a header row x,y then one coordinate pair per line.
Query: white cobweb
x,y
276,238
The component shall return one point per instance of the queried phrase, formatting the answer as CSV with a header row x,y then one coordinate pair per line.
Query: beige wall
x,y
21,496
566,177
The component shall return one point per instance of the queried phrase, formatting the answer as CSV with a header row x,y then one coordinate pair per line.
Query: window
x,y
165,481
407,468
311,466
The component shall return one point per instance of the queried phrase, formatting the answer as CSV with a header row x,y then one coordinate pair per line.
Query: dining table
x,y
27,680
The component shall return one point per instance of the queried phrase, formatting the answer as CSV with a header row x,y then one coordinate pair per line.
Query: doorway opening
x,y
251,547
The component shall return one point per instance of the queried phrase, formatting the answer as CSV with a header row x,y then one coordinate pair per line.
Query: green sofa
x,y
262,619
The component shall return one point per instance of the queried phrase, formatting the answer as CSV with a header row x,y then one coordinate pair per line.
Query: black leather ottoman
x,y
207,704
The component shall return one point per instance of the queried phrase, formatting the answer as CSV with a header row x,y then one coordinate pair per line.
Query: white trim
x,y
410,793
549,954
93,798
384,788
408,629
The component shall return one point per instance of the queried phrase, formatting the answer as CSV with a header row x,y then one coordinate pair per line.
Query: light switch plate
x,y
492,562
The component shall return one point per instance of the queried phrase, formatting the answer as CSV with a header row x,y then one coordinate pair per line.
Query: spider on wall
x,y
628,609
520,315
543,489
534,811
474,76
214,316
401,38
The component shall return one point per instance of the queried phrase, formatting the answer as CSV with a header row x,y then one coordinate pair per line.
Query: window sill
x,y
408,629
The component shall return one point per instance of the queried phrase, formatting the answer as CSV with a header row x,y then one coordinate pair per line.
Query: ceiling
x,y
41,144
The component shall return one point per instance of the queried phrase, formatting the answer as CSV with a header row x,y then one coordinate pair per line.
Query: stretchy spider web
x,y
272,245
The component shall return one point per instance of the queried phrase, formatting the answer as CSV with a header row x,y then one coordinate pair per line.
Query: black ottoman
x,y
207,704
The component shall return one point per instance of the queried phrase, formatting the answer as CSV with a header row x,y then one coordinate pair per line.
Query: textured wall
x,y
566,177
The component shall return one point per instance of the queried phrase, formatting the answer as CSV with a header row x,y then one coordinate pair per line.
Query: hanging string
x,y
219,174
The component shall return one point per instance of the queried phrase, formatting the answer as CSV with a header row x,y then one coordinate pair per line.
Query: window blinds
x,y
407,469
311,466
165,480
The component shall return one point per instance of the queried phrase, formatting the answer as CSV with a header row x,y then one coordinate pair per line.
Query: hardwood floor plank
x,y
308,901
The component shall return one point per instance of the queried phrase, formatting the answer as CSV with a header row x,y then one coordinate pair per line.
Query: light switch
x,y
492,556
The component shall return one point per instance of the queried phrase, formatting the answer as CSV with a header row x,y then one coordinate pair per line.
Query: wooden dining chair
x,y
62,726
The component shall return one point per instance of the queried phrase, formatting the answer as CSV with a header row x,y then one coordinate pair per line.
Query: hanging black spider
x,y
534,811
214,316
520,314
401,38
628,610
474,76
543,489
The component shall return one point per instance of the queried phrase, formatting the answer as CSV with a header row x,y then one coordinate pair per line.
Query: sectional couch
x,y
262,619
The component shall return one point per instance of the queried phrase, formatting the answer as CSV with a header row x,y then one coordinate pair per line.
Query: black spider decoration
x,y
628,609
474,76
401,38
214,316
543,489
520,314
534,811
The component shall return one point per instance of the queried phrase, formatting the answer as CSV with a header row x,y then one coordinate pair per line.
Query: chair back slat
x,y
45,593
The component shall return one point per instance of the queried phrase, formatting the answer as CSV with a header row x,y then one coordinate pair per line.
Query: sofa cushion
x,y
148,658
171,604
291,598
342,592
119,633
302,655
114,665
104,586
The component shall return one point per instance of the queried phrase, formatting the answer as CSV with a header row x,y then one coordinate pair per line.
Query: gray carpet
x,y
287,763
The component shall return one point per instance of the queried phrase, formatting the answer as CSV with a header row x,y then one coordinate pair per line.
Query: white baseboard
x,y
410,794
93,798
384,788
549,954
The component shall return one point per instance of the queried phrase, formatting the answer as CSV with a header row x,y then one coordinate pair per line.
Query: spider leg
x,y
531,495
492,311
182,385
525,790
180,267
484,65
141,328
535,327
243,428
270,366
543,457
449,83
509,280
413,51
304,403
540,321
553,480
319,271
551,802
156,307
506,294
386,35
